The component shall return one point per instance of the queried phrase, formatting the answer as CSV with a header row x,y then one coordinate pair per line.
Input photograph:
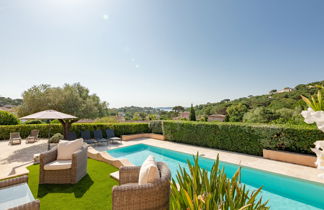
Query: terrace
x,y
95,189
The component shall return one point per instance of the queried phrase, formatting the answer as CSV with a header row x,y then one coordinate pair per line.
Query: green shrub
x,y
260,115
34,122
56,138
243,137
236,112
199,189
6,118
54,122
156,126
119,128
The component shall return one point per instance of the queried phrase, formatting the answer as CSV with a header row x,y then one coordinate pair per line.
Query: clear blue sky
x,y
161,52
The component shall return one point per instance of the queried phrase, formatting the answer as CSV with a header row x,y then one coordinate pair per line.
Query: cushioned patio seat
x,y
58,165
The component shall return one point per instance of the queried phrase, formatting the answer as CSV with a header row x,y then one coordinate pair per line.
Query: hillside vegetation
x,y
8,101
273,107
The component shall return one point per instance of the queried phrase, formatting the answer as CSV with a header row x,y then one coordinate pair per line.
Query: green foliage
x,y
129,111
8,101
119,128
315,102
156,126
236,112
260,115
152,117
273,102
54,122
178,109
56,138
199,189
192,116
289,116
71,99
34,122
243,137
94,191
7,118
108,119
164,115
137,116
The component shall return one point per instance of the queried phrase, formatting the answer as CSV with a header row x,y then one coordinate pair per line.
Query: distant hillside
x,y
275,103
5,101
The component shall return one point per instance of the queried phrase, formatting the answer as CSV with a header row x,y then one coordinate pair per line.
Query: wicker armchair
x,y
64,176
33,205
131,196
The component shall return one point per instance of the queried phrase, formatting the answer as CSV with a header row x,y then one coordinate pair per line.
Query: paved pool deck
x,y
256,162
14,159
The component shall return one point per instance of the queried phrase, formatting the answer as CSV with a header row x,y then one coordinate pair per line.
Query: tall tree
x,y
192,116
178,109
72,99
236,112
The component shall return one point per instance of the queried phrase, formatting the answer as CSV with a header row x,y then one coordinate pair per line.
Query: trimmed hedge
x,y
243,137
156,126
119,128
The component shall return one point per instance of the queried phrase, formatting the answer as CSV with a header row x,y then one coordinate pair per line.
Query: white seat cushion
x,y
65,149
58,165
149,171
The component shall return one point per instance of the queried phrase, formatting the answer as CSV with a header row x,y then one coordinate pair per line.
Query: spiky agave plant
x,y
201,190
315,102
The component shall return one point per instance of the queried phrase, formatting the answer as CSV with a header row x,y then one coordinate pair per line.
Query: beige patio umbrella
x,y
65,119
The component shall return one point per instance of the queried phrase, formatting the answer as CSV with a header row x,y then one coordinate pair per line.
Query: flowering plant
x,y
315,112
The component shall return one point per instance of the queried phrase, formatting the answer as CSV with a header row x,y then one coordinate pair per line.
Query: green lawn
x,y
94,191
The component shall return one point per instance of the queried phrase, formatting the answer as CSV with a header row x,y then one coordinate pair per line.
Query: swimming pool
x,y
283,192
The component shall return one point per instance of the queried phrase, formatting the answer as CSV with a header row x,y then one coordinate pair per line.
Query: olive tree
x,y
72,99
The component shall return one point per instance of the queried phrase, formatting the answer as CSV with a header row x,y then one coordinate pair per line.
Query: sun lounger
x,y
111,136
33,137
15,138
71,135
87,137
99,138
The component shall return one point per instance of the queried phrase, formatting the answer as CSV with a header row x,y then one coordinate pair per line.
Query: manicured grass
x,y
94,191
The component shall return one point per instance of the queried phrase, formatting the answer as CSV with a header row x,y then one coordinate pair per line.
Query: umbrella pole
x,y
49,135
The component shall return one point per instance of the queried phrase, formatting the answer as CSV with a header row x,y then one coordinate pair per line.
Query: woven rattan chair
x,y
64,176
33,205
33,137
15,138
132,196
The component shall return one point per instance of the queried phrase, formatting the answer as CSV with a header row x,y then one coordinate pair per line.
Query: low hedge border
x,y
119,128
242,137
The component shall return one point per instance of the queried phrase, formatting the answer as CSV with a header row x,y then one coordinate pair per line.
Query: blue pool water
x,y
283,192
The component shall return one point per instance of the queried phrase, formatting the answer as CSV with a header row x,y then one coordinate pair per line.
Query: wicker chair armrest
x,y
80,156
34,205
47,157
13,181
129,174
